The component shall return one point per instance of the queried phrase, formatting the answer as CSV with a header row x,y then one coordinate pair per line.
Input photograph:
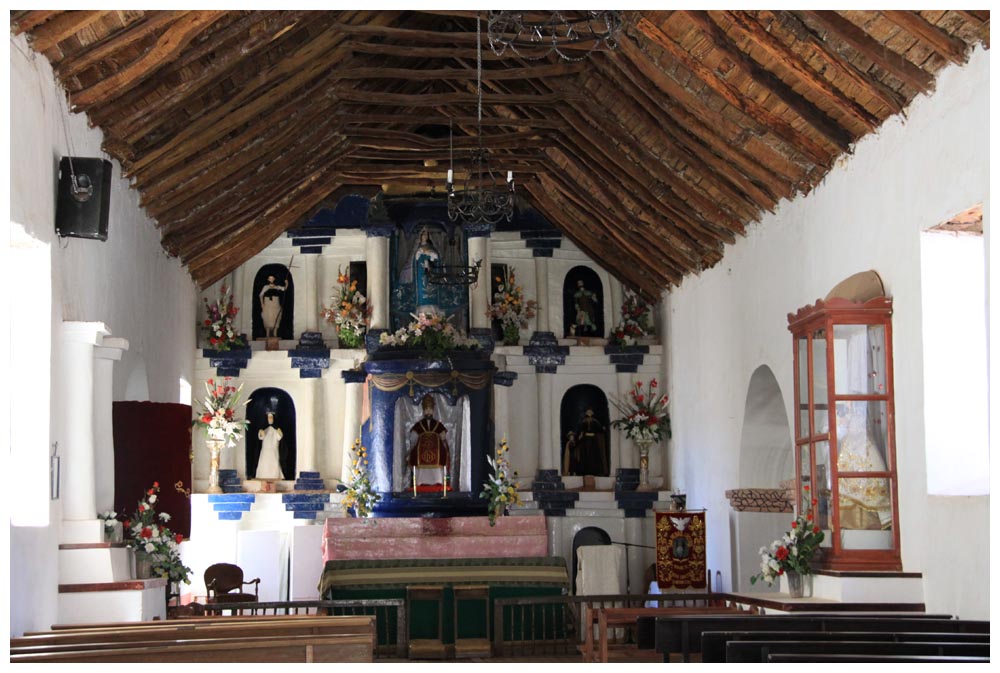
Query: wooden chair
x,y
224,582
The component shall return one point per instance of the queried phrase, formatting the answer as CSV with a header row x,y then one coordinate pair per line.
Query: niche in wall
x,y
278,402
588,451
583,303
276,295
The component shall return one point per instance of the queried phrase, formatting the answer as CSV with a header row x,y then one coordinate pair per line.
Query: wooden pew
x,y
605,618
330,648
197,629
682,634
758,651
871,659
713,643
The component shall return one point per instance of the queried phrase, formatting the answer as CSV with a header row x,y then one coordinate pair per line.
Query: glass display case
x,y
844,430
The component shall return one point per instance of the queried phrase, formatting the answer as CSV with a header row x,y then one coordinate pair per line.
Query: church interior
x,y
439,316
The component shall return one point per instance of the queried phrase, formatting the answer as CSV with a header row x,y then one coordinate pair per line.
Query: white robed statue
x,y
268,465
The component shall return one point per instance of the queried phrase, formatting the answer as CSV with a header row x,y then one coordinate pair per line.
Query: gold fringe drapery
x,y
390,383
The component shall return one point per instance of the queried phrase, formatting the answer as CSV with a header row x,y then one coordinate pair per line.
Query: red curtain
x,y
153,443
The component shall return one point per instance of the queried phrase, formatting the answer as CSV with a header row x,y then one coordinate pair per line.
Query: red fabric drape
x,y
153,443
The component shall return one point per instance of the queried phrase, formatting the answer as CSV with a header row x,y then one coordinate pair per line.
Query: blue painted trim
x,y
354,375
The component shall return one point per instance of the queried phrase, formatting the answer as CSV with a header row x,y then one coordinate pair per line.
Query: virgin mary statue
x,y
417,269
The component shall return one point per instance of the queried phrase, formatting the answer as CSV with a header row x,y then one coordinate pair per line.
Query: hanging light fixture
x,y
483,199
534,40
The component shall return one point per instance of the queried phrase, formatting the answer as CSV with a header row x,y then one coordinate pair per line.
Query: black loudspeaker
x,y
84,198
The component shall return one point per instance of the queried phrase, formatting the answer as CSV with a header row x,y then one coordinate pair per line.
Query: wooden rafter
x,y
235,126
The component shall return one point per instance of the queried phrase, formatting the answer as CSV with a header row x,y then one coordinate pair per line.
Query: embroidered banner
x,y
680,550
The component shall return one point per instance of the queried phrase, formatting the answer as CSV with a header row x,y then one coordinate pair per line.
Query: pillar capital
x,y
91,333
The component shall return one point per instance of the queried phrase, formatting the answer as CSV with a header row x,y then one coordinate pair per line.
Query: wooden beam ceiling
x,y
234,126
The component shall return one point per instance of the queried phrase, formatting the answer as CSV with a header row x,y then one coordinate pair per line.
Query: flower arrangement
x,y
793,552
149,536
644,413
500,489
510,307
218,324
350,312
634,321
360,493
431,332
218,414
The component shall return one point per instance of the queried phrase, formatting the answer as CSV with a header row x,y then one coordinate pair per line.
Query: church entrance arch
x,y
766,460
585,437
270,407
591,535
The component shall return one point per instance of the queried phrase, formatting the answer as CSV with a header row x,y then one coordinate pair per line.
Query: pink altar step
x,y
456,537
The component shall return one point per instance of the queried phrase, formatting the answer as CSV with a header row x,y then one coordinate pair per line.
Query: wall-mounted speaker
x,y
84,198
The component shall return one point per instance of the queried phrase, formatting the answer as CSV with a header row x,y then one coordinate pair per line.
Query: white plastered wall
x,y
127,283
868,213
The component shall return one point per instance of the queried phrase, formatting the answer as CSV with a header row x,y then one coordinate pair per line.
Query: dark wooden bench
x,y
682,635
330,648
713,643
758,651
871,659
605,618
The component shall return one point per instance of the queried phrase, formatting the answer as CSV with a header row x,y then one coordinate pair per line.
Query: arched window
x,y
844,434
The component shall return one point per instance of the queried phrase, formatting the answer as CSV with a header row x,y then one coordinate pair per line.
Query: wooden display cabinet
x,y
845,456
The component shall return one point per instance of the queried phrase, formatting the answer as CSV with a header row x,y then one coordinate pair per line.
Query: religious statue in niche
x,y
585,451
272,298
585,308
430,451
412,291
268,464
424,256
864,501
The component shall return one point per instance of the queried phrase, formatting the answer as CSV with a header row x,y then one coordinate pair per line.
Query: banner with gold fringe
x,y
680,550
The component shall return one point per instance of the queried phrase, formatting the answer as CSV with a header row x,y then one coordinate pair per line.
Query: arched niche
x,y
449,243
583,295
591,454
278,402
766,459
766,456
281,273
591,535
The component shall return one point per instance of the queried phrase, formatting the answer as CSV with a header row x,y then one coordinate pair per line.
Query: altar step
x,y
272,506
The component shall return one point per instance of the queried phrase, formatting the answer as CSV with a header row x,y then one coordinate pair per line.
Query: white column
x,y
105,356
542,290
615,290
627,453
546,448
311,322
77,444
239,299
479,294
305,433
377,255
352,424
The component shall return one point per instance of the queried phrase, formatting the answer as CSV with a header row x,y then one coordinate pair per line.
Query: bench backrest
x,y
683,634
814,658
361,625
330,648
713,643
748,651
